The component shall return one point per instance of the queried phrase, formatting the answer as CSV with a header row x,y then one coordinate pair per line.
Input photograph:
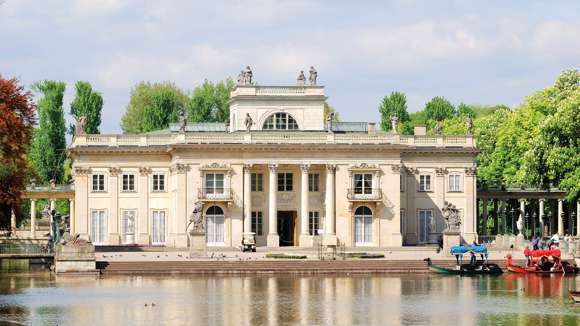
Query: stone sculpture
x,y
301,80
249,122
248,76
196,218
182,121
80,125
329,120
469,125
438,128
452,216
313,76
394,123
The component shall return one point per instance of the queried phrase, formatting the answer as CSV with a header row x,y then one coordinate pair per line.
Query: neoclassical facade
x,y
278,169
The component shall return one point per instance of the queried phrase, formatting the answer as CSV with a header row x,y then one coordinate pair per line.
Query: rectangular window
x,y
313,182
454,183
128,182
158,182
98,227
363,184
257,182
284,181
424,183
424,216
214,183
313,222
98,182
158,236
257,222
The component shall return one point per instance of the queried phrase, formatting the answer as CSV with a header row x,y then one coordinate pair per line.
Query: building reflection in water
x,y
286,299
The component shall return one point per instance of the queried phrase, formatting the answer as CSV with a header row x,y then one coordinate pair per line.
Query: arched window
x,y
280,121
363,226
215,226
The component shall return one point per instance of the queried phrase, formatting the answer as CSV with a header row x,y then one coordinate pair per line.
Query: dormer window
x,y
280,121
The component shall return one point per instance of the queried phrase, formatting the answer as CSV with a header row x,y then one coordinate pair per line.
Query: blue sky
x,y
477,52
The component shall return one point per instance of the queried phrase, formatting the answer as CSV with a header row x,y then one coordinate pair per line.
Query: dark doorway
x,y
286,227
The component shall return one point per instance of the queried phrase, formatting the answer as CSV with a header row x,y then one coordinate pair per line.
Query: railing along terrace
x,y
364,194
23,248
215,194
254,90
44,188
276,137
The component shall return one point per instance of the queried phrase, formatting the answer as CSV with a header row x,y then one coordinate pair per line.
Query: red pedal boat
x,y
542,262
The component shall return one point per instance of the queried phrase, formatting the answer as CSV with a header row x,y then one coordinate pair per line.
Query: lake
x,y
45,299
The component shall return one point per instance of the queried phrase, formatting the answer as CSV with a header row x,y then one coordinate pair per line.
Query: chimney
x,y
420,130
371,128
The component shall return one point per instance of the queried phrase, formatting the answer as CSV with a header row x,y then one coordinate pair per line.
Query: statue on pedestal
x,y
452,216
313,76
248,75
182,121
249,122
301,80
438,128
80,125
394,123
469,125
329,120
196,218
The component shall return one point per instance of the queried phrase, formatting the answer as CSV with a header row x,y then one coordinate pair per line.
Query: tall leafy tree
x,y
393,104
49,144
328,109
152,106
17,110
439,109
87,103
209,102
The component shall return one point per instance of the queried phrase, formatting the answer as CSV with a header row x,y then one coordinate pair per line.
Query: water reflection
x,y
288,300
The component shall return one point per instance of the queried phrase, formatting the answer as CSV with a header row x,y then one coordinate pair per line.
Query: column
x,y
520,222
273,239
440,191
578,217
305,239
484,227
71,219
178,221
247,198
12,220
113,237
560,217
541,216
143,214
495,218
52,205
33,218
470,222
330,220
52,208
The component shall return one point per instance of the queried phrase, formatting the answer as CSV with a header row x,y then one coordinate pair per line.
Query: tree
x,y
17,110
554,157
209,102
439,109
89,104
393,104
328,109
49,144
464,109
152,107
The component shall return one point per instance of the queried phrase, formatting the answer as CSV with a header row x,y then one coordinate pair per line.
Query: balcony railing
x,y
358,194
215,194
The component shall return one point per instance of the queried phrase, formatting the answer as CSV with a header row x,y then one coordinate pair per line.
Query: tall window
x,y
214,183
158,227
257,222
313,182
313,222
257,182
98,227
424,216
128,182
454,182
215,226
128,225
363,183
284,181
158,182
424,183
363,226
98,182
280,121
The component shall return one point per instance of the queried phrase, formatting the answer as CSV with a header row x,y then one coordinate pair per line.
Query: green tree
x,y
464,109
49,144
439,109
328,109
152,107
209,102
393,104
87,103
554,157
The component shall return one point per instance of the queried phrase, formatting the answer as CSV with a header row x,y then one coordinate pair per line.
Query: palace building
x,y
280,169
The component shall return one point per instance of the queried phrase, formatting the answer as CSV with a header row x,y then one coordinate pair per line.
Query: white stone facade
x,y
360,187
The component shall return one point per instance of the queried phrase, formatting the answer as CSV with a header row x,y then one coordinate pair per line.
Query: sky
x,y
476,52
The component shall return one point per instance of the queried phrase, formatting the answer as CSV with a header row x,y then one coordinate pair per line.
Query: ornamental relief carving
x,y
145,170
411,171
115,171
441,171
215,166
79,170
396,168
363,166
471,172
179,168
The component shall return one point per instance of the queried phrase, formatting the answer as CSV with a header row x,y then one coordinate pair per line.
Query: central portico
x,y
280,169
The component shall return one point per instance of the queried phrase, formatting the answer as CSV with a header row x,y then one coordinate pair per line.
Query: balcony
x,y
215,194
356,194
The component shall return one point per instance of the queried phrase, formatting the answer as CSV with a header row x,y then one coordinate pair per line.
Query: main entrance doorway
x,y
287,228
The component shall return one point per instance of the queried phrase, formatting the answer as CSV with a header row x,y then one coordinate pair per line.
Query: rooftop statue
x,y
248,76
301,80
394,123
469,124
248,122
329,120
182,121
80,125
313,76
452,216
438,128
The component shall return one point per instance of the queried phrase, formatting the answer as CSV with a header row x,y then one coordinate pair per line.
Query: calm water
x,y
42,299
